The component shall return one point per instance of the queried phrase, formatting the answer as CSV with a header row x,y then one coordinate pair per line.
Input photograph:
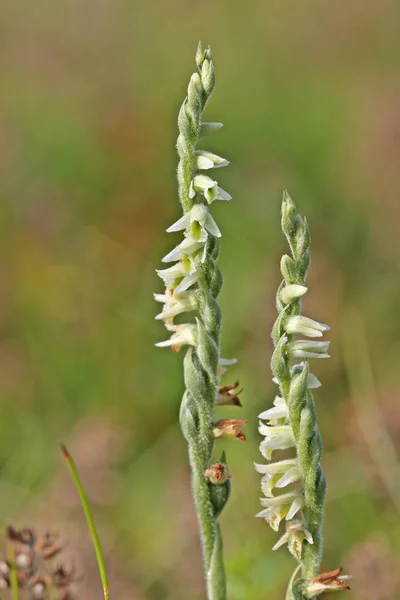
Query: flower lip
x,y
294,537
278,437
176,304
278,411
276,467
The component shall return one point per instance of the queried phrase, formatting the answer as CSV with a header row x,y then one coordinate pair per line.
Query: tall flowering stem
x,y
192,284
292,421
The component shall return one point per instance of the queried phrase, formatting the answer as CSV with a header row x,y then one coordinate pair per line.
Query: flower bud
x,y
208,76
288,269
210,127
289,216
200,55
292,292
308,349
209,160
299,324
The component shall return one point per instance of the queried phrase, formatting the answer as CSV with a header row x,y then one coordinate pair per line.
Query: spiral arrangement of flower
x,y
192,285
291,423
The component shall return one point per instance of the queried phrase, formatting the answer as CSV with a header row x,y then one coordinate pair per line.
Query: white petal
x,y
187,282
223,195
260,468
309,349
171,273
180,224
165,344
204,163
209,160
290,476
192,191
297,504
264,513
172,256
305,326
274,413
203,182
227,362
306,355
277,467
207,128
280,432
281,500
269,445
292,292
313,382
283,540
198,213
161,297
211,226
308,536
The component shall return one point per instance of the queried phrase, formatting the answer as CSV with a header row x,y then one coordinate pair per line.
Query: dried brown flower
x,y
229,428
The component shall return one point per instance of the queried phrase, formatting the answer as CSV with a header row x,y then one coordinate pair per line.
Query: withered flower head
x,y
62,577
217,473
228,395
49,545
24,536
332,581
229,428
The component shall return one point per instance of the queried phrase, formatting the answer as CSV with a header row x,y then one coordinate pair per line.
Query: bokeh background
x,y
309,93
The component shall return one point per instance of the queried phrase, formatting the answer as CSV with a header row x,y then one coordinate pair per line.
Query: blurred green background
x,y
309,94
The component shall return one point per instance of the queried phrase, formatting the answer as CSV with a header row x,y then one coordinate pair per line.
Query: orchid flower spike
x,y
291,425
192,282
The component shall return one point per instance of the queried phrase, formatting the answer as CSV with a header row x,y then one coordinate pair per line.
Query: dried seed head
x,y
217,473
